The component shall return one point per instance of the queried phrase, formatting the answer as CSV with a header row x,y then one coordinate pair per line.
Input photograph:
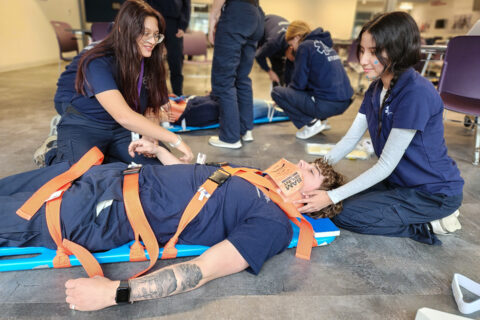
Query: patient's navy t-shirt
x,y
236,211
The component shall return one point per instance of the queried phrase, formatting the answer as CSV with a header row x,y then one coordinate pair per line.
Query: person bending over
x,y
272,46
242,226
121,87
319,87
415,188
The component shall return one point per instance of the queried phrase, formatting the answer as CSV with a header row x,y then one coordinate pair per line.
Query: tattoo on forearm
x,y
163,283
190,274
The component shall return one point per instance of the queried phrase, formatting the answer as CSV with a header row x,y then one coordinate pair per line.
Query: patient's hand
x,y
143,146
314,201
88,294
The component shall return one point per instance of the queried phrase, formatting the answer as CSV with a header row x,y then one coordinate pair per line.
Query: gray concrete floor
x,y
355,277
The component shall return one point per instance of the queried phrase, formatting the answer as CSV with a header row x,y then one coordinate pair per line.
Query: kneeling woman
x,y
415,188
320,87
119,81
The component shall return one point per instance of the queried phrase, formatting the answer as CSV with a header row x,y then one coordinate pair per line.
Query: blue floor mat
x,y
325,233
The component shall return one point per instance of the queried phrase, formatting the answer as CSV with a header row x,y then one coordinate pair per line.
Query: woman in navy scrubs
x,y
415,188
120,85
319,87
235,26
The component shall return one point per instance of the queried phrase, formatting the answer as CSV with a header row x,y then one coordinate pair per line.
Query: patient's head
x,y
320,175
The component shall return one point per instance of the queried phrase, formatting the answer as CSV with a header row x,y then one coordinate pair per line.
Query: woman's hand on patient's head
x,y
314,201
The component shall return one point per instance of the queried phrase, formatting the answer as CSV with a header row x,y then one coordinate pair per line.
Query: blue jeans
x,y
302,109
238,30
78,134
396,212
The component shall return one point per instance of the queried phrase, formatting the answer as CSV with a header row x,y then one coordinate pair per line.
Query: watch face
x,y
123,292
123,295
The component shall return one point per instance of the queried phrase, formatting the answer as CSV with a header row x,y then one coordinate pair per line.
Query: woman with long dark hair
x,y
415,188
121,88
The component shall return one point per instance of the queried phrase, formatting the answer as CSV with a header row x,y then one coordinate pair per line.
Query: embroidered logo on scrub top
x,y
387,111
322,48
203,193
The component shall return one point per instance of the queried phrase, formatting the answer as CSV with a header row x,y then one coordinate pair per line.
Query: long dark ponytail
x,y
396,34
122,43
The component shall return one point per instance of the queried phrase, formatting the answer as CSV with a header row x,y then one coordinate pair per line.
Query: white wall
x,y
26,36
335,16
427,13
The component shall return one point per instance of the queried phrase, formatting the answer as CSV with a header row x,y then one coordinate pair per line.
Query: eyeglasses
x,y
158,37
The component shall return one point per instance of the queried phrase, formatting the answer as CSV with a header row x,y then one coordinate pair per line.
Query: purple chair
x,y
195,44
459,84
100,30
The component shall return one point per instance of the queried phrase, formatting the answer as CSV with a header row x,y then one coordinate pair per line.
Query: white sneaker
x,y
308,132
39,155
327,125
248,136
446,225
216,142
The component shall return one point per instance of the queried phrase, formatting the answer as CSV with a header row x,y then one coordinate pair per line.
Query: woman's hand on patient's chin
x,y
187,153
314,201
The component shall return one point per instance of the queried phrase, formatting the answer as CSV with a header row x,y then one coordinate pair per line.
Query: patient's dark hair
x,y
332,180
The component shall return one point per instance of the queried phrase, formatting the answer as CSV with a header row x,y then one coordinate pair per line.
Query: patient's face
x,y
312,177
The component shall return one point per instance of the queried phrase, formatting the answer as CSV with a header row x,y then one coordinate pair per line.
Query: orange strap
x,y
306,239
139,223
93,157
193,208
66,247
52,215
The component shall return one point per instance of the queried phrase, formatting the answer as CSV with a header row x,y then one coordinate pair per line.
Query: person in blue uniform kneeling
x,y
120,88
320,87
243,227
415,188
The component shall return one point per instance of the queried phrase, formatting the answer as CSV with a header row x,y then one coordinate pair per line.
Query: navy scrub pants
x,y
174,47
77,135
396,212
238,30
301,107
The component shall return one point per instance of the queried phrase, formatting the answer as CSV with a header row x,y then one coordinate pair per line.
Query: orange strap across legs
x,y
93,157
54,189
66,247
138,221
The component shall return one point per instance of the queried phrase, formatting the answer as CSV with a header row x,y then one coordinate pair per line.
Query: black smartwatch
x,y
123,292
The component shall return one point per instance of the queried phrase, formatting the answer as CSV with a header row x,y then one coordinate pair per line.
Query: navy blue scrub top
x,y
414,104
100,76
